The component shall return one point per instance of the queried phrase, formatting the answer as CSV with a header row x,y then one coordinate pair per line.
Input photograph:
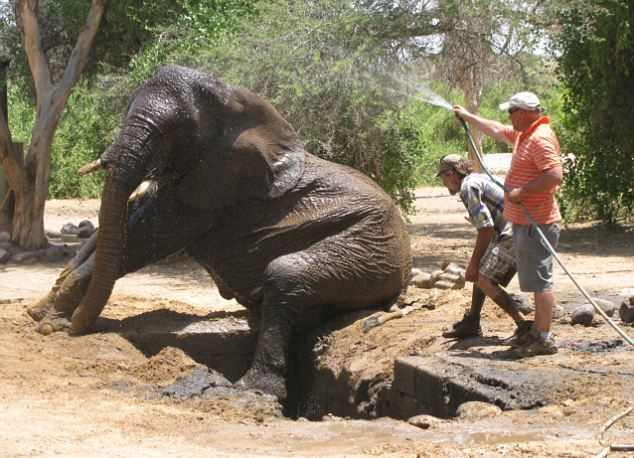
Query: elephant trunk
x,y
110,241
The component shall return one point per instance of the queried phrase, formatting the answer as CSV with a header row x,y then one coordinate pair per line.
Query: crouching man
x,y
492,264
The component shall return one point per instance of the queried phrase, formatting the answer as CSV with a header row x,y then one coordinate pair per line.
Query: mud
x,y
103,393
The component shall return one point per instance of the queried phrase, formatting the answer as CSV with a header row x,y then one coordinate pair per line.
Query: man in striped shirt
x,y
492,263
532,180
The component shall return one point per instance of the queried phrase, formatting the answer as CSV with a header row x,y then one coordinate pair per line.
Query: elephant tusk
x,y
140,190
89,168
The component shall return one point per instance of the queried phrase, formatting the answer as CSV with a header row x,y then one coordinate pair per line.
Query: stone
x,y
25,257
607,306
523,303
558,312
5,236
422,280
6,245
86,229
477,409
54,253
423,421
5,256
70,238
626,312
583,315
435,276
69,228
443,284
454,268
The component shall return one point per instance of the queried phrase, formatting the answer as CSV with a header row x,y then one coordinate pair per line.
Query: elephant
x,y
292,237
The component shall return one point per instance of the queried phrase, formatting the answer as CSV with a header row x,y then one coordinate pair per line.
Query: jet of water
x,y
425,94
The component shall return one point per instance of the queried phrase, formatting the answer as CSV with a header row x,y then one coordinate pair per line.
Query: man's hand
x,y
514,195
472,272
461,112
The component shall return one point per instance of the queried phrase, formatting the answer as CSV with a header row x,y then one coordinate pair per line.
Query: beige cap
x,y
449,162
524,100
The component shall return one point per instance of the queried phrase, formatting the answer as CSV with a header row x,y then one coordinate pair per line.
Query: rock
x,y
477,409
583,315
25,257
607,306
4,256
558,312
415,271
69,228
523,302
86,229
423,421
454,268
450,277
443,284
626,312
422,280
435,276
54,253
5,245
70,238
5,236
54,234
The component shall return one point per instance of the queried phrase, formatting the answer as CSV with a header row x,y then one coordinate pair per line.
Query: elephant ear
x,y
248,149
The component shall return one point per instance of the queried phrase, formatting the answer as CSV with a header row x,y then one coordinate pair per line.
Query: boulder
x,y
422,280
583,315
523,302
69,228
607,306
473,410
626,312
54,253
5,256
558,312
26,257
424,421
86,229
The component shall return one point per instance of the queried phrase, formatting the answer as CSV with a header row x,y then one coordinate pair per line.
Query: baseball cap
x,y
448,162
523,100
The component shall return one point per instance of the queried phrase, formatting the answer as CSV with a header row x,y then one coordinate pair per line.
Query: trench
x,y
434,385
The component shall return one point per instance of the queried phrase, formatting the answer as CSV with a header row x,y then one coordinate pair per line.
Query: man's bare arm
x,y
489,127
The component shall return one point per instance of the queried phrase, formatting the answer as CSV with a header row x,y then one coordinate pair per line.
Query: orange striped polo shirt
x,y
535,150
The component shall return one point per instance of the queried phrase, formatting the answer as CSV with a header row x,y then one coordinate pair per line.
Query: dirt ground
x,y
95,395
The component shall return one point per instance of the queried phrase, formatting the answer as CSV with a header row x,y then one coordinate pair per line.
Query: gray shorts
x,y
498,259
534,261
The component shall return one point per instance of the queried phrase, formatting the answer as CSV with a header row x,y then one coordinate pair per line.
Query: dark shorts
x,y
534,261
498,259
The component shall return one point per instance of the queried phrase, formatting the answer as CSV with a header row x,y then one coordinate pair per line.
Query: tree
x,y
29,181
595,41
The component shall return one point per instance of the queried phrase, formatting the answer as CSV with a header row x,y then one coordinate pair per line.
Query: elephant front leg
x,y
65,297
68,288
283,302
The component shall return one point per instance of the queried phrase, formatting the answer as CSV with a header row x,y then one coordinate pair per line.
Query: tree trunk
x,y
473,101
30,181
28,220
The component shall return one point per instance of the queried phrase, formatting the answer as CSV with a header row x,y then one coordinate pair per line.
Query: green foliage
x,y
596,65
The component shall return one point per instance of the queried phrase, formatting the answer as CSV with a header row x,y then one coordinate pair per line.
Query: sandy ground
x,y
95,395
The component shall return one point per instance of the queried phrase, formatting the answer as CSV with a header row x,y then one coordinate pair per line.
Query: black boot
x,y
469,326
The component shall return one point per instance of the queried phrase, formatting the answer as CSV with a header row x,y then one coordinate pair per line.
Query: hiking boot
x,y
465,328
522,334
537,347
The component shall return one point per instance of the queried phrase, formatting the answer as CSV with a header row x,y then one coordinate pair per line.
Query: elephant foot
x,y
54,321
40,309
265,381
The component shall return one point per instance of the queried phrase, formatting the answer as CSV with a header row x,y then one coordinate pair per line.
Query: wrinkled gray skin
x,y
290,236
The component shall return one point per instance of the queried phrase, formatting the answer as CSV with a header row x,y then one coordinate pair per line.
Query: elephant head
x,y
185,124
